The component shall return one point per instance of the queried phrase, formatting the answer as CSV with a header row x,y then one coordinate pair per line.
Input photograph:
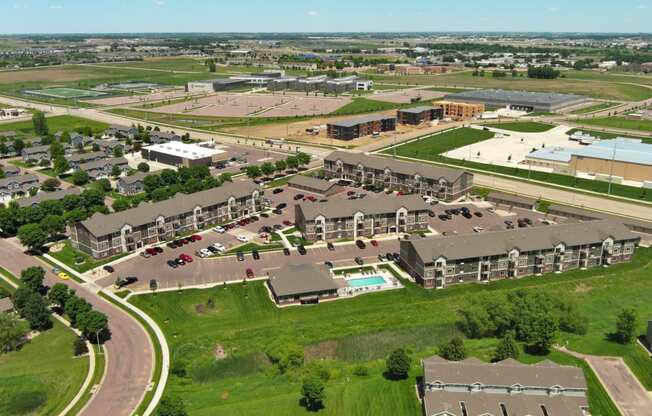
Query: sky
x,y
124,16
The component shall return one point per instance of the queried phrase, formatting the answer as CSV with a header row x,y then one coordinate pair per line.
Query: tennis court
x,y
64,92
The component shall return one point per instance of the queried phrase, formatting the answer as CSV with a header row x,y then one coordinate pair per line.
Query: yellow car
x,y
63,276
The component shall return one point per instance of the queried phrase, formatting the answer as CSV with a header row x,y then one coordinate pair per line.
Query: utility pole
x,y
611,170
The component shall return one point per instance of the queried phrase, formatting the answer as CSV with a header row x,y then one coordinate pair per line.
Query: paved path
x,y
129,351
623,387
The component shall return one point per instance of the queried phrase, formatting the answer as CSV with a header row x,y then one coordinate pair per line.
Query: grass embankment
x,y
523,126
593,108
620,123
431,148
343,334
25,129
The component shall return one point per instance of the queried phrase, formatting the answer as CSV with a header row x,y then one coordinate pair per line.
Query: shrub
x,y
398,364
79,347
361,370
285,356
454,350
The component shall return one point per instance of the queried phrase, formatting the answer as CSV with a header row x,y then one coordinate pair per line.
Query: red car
x,y
288,223
196,237
185,257
250,273
374,243
400,193
151,251
311,198
350,193
185,240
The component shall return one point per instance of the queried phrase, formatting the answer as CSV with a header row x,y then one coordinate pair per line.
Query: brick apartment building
x,y
362,126
418,115
461,111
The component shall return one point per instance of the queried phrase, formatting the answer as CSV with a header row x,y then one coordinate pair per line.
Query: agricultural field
x,y
620,123
240,321
42,377
25,129
523,126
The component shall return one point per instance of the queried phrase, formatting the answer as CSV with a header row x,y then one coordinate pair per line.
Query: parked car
x,y
302,250
278,227
109,268
185,257
478,214
478,229
158,249
328,264
382,258
360,244
374,243
212,249
359,261
240,255
330,246
255,254
219,247
527,221
151,251
249,273
350,193
264,215
311,198
298,197
63,275
172,264
467,215
431,214
277,191
277,211
145,254
287,222
179,261
242,238
281,205
286,251
219,229
125,281
204,252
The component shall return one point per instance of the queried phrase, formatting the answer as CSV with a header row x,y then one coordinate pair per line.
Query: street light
x,y
611,170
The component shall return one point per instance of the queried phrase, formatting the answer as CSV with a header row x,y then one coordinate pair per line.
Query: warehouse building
x,y
437,262
519,100
213,85
183,154
473,388
106,235
386,214
441,182
417,115
361,126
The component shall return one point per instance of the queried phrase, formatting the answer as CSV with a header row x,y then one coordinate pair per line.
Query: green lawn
x,y
25,129
366,105
363,330
620,123
431,146
249,247
42,377
592,108
68,254
523,126
606,136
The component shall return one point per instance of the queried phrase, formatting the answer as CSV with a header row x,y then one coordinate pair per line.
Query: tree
x,y
32,278
93,324
545,328
507,348
74,307
116,171
626,326
61,165
398,364
281,165
303,158
11,332
18,145
79,347
160,194
292,162
80,178
32,236
453,350
226,177
118,152
121,204
56,150
267,168
103,185
171,406
59,294
53,225
51,184
40,124
253,171
143,167
313,393
35,311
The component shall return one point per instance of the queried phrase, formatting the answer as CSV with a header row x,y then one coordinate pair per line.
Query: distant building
x,y
103,168
117,131
36,153
473,388
158,137
353,128
10,170
316,186
109,146
132,184
519,100
16,186
77,159
47,196
77,140
213,85
418,115
183,154
461,111
301,284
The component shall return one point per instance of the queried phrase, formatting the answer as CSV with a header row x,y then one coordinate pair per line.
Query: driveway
x,y
129,351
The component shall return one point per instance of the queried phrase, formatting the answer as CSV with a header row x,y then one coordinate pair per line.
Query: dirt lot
x,y
139,99
47,74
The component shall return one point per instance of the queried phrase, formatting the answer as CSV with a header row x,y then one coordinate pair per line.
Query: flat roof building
x,y
353,128
214,85
519,100
301,284
314,185
418,115
183,154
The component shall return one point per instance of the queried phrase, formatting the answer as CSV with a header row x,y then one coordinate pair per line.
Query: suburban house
x,y
10,170
105,235
473,388
302,284
117,131
47,196
16,186
109,146
440,182
77,140
316,186
77,159
132,184
157,137
103,168
334,220
36,153
436,262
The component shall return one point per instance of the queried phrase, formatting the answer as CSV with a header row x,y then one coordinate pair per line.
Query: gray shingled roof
x,y
10,169
525,239
396,166
313,183
37,149
79,157
96,164
350,122
48,196
138,176
298,279
102,224
369,206
21,179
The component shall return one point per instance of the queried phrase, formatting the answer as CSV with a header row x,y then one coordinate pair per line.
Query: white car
x,y
204,252
219,247
242,238
219,229
478,229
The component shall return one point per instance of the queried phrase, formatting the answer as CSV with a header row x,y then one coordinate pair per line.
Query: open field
x,y
140,98
592,108
42,377
367,105
405,97
25,129
608,90
620,123
64,92
523,126
438,144
165,63
342,334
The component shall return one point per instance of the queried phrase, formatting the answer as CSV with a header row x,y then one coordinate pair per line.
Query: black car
x,y
159,250
298,197
302,250
277,211
360,244
172,264
179,261
431,214
443,217
171,244
240,255
359,261
255,254
108,268
278,227
286,251
328,264
478,214
277,191
125,281
330,246
264,215
467,215
212,249
281,205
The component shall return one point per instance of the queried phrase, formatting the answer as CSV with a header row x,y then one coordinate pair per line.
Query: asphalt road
x,y
129,351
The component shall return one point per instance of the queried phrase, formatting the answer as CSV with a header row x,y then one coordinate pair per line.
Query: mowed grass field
x,y
42,377
607,88
25,129
343,334
430,147
523,126
620,123
592,108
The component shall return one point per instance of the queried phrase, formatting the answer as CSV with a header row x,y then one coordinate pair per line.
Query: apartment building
x,y
36,153
472,387
15,186
106,235
117,131
441,182
386,214
163,137
437,262
461,111
48,196
103,168
417,115
353,128
109,146
133,184
77,140
80,158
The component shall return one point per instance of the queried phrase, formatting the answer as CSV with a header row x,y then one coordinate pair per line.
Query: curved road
x,y
129,351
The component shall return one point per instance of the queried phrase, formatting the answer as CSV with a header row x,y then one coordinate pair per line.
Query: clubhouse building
x,y
106,235
436,262
440,182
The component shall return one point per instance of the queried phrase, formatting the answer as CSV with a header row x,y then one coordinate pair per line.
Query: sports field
x,y
64,92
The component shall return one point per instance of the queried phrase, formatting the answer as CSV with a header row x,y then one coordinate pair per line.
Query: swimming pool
x,y
366,281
